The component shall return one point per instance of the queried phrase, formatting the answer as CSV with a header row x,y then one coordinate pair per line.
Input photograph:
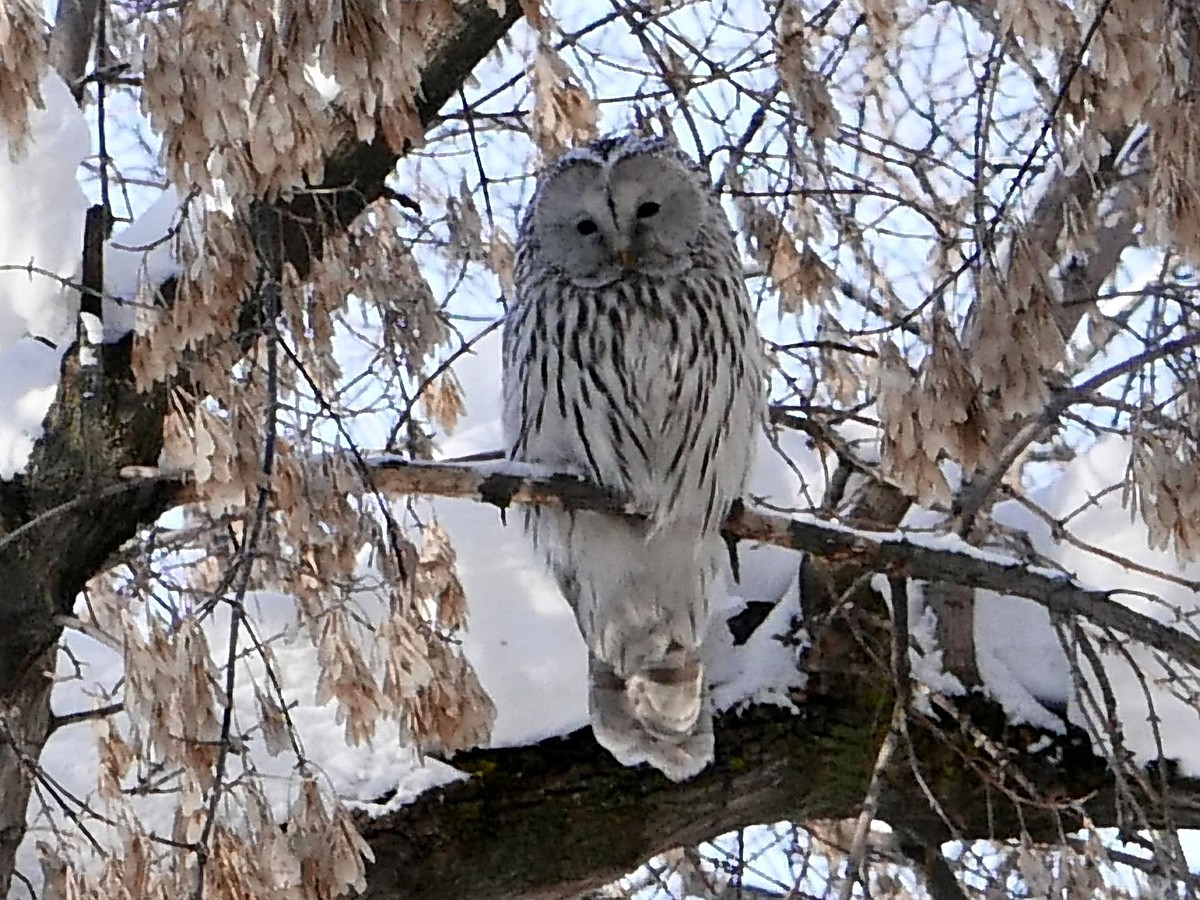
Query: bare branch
x,y
899,554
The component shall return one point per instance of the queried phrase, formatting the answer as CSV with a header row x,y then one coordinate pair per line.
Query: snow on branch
x,y
943,558
932,558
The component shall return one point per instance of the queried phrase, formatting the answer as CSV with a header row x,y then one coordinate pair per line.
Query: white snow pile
x,y
142,256
90,675
42,211
1020,656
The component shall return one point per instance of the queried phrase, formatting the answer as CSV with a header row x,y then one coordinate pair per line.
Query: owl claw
x,y
678,759
667,702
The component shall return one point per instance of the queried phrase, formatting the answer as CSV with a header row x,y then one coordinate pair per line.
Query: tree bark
x,y
561,817
72,40
24,724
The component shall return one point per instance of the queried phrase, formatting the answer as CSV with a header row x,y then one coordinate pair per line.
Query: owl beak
x,y
626,258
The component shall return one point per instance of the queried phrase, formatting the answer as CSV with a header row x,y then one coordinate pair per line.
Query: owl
x,y
632,360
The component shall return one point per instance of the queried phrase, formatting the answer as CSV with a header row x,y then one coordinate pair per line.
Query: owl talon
x,y
668,701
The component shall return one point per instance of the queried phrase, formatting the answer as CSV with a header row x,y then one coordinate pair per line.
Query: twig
x,y
870,804
268,244
84,715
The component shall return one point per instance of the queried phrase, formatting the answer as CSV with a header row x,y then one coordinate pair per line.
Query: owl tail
x,y
657,716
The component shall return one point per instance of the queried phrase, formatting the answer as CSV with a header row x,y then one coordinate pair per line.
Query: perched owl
x,y
632,359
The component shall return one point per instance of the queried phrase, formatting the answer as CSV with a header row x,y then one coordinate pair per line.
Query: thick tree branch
x,y
71,41
552,820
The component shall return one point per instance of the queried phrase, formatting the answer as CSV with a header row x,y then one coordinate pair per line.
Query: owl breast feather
x,y
641,386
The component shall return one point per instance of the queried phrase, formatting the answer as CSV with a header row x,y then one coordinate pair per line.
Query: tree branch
x,y
71,41
561,817
940,559
937,559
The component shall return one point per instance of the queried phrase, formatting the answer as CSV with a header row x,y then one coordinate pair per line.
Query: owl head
x,y
619,207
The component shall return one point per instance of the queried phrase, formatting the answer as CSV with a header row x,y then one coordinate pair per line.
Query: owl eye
x,y
587,226
646,210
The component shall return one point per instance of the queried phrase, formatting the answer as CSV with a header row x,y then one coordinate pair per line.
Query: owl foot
x,y
633,739
667,701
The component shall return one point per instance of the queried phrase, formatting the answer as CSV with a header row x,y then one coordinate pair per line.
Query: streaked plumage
x,y
632,359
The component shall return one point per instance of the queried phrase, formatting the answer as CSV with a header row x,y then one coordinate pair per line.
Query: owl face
x,y
599,217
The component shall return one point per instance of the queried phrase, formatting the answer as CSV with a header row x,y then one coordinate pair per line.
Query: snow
x,y
144,253
788,476
1020,659
479,428
764,669
521,636
1017,651
1023,662
1020,656
28,383
1142,686
924,654
379,776
42,210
